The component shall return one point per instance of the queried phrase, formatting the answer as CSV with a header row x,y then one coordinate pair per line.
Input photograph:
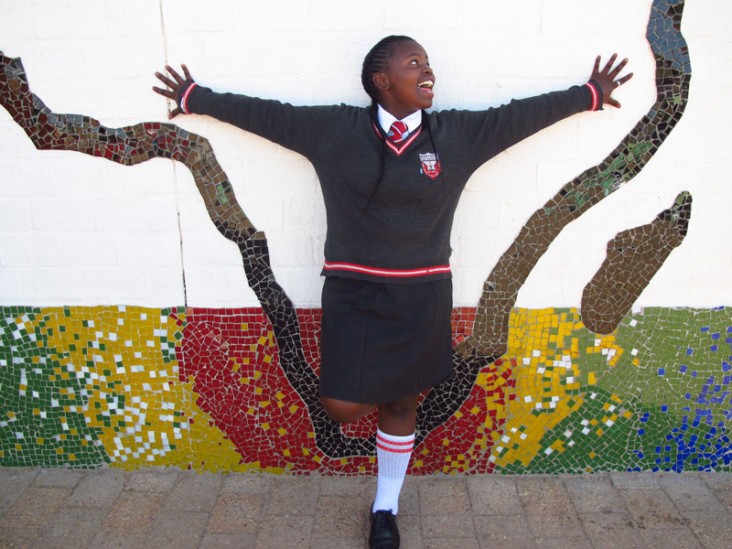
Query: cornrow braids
x,y
377,60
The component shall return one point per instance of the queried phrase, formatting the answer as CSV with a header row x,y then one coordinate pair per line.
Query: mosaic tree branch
x,y
489,339
139,143
673,74
633,256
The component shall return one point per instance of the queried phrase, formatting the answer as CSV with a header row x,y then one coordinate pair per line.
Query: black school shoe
x,y
384,532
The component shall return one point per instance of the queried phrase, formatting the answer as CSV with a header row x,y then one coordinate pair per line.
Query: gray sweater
x,y
390,211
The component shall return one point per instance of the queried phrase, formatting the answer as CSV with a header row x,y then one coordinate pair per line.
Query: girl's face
x,y
406,86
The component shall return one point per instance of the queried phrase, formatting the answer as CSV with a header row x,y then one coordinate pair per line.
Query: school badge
x,y
430,165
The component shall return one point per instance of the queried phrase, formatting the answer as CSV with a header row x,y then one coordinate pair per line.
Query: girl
x,y
391,176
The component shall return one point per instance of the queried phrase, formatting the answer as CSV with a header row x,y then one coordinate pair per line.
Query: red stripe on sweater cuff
x,y
595,96
184,98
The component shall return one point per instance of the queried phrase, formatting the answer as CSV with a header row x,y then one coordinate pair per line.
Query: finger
x,y
165,80
620,81
616,71
612,102
596,68
186,72
175,112
166,93
178,78
610,63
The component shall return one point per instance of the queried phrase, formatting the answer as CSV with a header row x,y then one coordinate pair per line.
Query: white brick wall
x,y
78,230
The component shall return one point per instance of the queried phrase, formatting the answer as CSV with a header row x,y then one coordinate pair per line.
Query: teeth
x,y
426,84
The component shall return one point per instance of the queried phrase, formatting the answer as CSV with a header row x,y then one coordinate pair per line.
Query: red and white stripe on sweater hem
x,y
396,447
184,98
595,96
388,273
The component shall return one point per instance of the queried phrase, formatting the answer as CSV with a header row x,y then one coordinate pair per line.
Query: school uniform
x,y
387,295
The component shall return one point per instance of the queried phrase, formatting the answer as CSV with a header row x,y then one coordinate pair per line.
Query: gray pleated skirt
x,y
383,342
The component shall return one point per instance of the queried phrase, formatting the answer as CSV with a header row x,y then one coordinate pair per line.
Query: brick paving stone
x,y
652,508
548,507
73,527
227,541
712,528
133,512
409,502
152,481
236,512
664,538
444,495
35,507
594,494
247,482
194,493
98,489
722,490
517,541
13,482
410,531
564,543
612,530
177,529
173,508
636,480
721,485
106,539
493,495
364,487
339,515
276,533
19,537
442,543
340,543
58,478
689,492
500,527
293,496
448,526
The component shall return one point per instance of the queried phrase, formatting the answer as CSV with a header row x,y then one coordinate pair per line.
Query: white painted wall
x,y
76,230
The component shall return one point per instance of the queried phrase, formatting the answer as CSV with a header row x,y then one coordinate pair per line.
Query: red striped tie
x,y
397,132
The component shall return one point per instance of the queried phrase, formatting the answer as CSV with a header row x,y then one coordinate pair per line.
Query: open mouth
x,y
426,88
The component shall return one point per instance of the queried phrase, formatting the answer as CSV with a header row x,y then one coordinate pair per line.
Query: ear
x,y
381,81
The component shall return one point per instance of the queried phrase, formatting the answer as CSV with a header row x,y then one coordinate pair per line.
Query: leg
x,y
343,411
399,417
394,444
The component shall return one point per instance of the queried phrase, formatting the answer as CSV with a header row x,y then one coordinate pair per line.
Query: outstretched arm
x,y
607,78
176,87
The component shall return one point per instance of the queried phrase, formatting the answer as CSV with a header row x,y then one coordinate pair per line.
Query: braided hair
x,y
377,60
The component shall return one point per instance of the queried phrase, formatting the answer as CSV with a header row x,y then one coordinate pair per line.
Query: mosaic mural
x,y
205,389
556,390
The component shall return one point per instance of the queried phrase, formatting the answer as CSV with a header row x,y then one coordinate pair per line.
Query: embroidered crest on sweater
x,y
430,165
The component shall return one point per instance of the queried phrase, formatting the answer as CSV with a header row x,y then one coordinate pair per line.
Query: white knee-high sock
x,y
392,455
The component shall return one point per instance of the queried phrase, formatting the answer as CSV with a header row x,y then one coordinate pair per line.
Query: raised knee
x,y
345,412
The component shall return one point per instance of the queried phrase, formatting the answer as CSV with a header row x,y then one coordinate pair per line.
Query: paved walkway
x,y
160,508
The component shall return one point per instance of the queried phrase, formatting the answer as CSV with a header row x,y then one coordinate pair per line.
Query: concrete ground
x,y
160,508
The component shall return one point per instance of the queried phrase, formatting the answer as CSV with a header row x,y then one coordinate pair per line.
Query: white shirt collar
x,y
386,119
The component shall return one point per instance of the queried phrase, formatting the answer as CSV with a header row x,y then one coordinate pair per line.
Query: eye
x,y
413,62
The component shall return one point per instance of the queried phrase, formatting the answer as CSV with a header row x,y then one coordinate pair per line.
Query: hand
x,y
175,86
607,78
